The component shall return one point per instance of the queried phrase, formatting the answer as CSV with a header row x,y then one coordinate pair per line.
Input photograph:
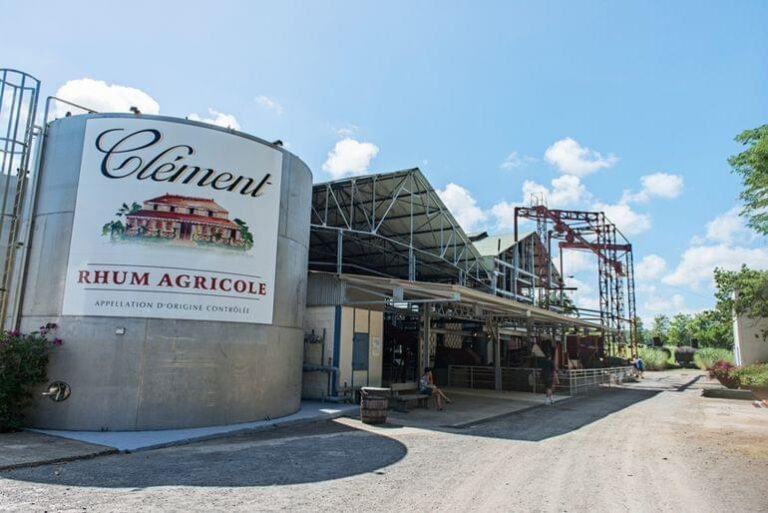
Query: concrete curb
x,y
727,393
266,427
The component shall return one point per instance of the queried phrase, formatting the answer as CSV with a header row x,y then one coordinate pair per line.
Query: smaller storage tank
x,y
173,257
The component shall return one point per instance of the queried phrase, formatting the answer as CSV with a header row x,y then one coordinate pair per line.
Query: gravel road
x,y
655,446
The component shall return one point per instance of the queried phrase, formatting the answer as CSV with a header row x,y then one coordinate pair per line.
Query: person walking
x,y
548,376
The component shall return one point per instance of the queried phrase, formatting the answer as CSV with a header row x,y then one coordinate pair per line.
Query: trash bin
x,y
373,405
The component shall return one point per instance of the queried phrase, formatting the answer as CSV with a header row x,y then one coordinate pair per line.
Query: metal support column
x,y
496,333
425,335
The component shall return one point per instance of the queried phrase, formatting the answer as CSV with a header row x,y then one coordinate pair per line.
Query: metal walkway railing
x,y
528,379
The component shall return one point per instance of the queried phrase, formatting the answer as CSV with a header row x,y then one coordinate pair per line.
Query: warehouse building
x,y
396,285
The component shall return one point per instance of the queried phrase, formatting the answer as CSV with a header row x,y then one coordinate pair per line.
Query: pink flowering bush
x,y
723,370
23,365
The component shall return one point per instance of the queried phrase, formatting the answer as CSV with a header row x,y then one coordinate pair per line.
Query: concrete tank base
x,y
161,376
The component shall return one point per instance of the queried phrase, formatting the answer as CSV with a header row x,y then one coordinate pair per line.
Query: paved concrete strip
x,y
130,441
497,416
469,408
25,449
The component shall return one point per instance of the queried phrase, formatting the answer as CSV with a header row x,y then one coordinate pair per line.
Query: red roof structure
x,y
177,216
187,202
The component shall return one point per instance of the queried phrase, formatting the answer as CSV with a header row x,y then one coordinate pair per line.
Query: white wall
x,y
353,320
749,346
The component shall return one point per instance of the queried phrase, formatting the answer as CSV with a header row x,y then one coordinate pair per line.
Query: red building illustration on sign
x,y
183,218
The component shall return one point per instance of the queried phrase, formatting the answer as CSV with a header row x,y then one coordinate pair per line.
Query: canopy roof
x,y
458,301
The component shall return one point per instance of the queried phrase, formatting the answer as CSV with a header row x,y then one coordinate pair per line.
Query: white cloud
x,y
504,215
669,306
651,267
645,288
698,263
577,261
584,296
729,227
217,118
269,104
659,185
566,191
514,160
625,219
350,158
102,97
663,185
463,206
572,158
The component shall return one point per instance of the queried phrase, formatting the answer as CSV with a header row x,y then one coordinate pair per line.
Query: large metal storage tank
x,y
135,373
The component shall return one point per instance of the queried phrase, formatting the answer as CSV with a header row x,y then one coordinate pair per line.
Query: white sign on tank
x,y
174,221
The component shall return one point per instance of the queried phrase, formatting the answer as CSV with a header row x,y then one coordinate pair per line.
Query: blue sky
x,y
594,95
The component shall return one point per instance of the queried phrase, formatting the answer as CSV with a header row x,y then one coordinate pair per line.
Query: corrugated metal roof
x,y
388,221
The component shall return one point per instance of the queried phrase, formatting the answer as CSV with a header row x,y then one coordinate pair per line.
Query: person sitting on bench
x,y
427,386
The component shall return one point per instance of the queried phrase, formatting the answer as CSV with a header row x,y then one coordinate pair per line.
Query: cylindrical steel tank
x,y
135,373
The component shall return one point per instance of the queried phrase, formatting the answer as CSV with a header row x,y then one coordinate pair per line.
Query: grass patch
x,y
654,359
706,358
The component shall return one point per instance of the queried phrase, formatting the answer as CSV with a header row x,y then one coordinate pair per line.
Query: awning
x,y
378,293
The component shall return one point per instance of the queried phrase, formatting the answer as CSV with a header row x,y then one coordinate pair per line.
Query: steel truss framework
x,y
593,232
393,225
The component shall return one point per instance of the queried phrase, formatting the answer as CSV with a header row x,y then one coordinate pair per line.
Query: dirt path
x,y
657,446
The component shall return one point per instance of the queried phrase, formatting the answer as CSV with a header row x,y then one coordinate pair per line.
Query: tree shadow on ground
x,y
290,455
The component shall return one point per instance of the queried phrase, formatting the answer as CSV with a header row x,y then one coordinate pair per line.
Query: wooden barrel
x,y
373,410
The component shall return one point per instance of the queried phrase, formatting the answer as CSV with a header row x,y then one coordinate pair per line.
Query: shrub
x,y
654,359
23,364
723,370
614,361
707,357
752,376
684,356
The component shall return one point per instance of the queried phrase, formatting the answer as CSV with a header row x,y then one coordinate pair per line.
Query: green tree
x,y
116,228
679,333
643,337
712,328
566,304
245,233
752,165
660,328
743,292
